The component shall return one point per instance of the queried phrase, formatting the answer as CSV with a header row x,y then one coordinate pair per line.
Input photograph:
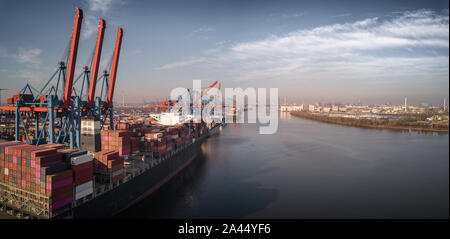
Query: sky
x,y
371,52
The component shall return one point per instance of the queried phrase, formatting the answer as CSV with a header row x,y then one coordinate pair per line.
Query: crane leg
x,y
78,121
16,124
51,120
71,133
111,118
36,123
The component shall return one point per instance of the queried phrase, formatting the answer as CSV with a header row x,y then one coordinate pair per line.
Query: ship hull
x,y
130,193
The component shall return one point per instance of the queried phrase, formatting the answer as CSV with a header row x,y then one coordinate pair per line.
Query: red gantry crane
x,y
55,111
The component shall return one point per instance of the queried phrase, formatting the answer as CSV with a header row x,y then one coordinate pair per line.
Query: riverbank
x,y
393,124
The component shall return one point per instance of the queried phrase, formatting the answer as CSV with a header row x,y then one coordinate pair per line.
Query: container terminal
x,y
66,153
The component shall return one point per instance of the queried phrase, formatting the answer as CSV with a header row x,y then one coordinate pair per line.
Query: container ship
x,y
50,181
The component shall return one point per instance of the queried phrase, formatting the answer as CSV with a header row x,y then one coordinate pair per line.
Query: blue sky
x,y
316,51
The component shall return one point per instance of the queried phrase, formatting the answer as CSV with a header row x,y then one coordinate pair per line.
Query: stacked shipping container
x,y
82,167
53,175
109,166
118,140
36,171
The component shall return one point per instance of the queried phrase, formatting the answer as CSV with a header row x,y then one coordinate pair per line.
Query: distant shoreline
x,y
366,123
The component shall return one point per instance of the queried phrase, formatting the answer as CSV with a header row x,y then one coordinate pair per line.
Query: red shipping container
x,y
83,179
83,166
44,152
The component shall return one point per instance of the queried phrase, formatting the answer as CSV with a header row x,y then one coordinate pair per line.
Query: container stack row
x,y
83,174
118,140
109,166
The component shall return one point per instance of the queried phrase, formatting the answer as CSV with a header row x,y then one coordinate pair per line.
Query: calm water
x,y
309,170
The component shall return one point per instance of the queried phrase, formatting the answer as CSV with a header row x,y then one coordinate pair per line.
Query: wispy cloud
x,y
90,26
286,15
96,8
33,77
22,55
28,55
201,30
413,44
351,47
413,29
180,64
202,33
342,15
292,15
220,43
102,6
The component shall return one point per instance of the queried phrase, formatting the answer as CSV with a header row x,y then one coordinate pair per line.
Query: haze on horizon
x,y
314,51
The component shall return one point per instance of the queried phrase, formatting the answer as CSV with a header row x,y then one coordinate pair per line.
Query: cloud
x,y
97,7
201,30
413,29
28,55
409,47
292,15
351,47
90,26
219,43
342,15
102,6
286,15
33,77
23,55
202,33
180,64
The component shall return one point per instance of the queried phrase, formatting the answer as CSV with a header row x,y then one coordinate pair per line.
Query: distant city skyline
x,y
346,51
400,101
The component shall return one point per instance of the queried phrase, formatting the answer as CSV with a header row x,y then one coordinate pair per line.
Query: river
x,y
309,169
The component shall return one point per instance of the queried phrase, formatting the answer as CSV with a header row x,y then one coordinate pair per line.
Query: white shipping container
x,y
84,193
84,186
81,159
6,172
90,124
118,172
175,136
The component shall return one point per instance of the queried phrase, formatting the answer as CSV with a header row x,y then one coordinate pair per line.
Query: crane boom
x,y
193,102
96,64
72,58
112,79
